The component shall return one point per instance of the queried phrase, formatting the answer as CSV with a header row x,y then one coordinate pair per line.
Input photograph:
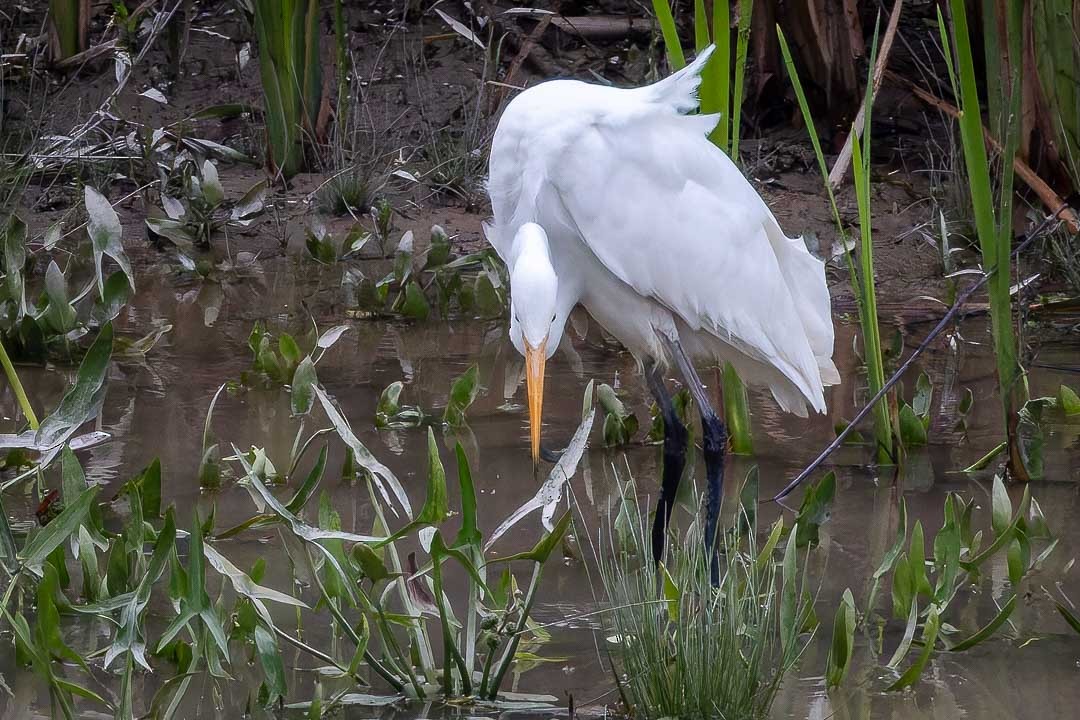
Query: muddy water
x,y
156,407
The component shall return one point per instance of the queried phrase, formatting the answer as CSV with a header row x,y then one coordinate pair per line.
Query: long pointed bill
x,y
535,358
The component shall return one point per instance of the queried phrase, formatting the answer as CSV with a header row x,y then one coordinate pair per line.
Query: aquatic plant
x,y
686,646
862,273
722,94
69,27
929,593
291,70
993,224
198,207
50,324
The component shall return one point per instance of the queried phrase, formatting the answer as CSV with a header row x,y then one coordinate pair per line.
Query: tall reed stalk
x,y
862,275
69,27
994,226
721,92
291,70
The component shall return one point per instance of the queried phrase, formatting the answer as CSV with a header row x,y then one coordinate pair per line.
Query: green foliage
x,y
862,274
927,592
620,424
291,70
463,393
993,222
718,649
69,27
198,208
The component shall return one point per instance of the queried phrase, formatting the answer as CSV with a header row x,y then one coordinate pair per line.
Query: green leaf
x,y
909,635
816,509
903,587
272,666
379,472
917,560
59,314
103,227
462,394
303,380
929,637
83,401
542,550
676,58
436,505
924,394
290,351
843,641
212,191
469,534
1001,506
415,305
371,564
620,425
117,295
990,628
671,593
788,607
1070,403
56,532
311,482
1073,621
912,430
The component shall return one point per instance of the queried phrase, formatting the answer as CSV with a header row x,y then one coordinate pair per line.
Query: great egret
x,y
616,200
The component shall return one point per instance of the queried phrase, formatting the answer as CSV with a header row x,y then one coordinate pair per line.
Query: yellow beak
x,y
535,358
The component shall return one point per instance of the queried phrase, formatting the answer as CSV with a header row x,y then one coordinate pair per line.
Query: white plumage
x,y
616,200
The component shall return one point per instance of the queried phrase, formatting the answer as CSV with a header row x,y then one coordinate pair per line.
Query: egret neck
x,y
536,319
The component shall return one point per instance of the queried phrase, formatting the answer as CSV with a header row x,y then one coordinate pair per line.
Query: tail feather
x,y
679,91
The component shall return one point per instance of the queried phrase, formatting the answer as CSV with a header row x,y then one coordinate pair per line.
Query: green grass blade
x,y
675,55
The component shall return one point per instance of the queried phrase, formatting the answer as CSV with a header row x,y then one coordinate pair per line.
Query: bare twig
x,y
1047,223
843,161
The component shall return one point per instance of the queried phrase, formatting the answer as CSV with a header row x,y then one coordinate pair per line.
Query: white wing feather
x,y
669,214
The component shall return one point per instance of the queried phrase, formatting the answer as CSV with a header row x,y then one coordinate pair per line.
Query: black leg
x,y
714,442
675,440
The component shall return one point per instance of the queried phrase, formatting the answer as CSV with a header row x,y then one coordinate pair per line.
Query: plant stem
x,y
511,648
16,385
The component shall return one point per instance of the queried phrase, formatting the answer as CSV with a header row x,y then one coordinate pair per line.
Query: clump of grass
x,y
291,72
687,647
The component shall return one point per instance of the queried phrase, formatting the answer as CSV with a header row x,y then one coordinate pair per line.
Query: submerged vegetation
x,y
285,210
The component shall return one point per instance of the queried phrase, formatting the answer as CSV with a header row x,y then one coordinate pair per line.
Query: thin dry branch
x,y
843,161
1050,199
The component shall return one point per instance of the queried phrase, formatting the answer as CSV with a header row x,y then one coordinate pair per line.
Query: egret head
x,y
534,327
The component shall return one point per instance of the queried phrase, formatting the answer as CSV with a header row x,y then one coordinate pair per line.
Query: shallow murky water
x,y
156,408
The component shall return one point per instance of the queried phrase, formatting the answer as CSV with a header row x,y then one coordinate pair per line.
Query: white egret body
x,y
616,200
